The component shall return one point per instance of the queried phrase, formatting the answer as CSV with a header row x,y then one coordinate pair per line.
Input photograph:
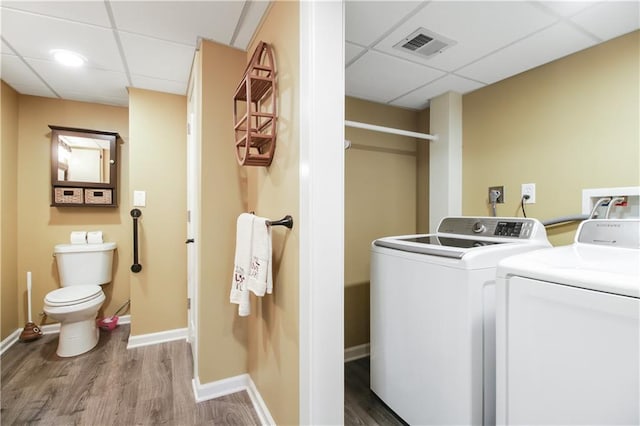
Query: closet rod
x,y
383,129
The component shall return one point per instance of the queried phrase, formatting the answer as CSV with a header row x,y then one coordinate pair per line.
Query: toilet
x,y
82,269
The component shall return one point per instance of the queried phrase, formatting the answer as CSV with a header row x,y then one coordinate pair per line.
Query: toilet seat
x,y
74,295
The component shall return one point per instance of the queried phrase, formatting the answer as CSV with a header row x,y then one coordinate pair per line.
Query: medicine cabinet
x,y
83,167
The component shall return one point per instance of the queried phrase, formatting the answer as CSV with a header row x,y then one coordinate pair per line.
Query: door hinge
x,y
188,216
188,303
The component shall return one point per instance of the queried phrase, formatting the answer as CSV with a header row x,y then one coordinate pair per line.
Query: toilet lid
x,y
72,295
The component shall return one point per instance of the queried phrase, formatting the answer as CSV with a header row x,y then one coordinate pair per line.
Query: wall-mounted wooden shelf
x,y
255,110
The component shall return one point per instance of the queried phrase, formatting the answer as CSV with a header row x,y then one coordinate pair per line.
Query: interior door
x,y
193,208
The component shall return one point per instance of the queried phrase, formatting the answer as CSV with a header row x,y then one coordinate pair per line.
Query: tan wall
x,y
380,199
273,193
222,339
9,213
157,149
40,226
565,126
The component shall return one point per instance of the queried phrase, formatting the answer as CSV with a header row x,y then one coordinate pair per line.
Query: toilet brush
x,y
31,331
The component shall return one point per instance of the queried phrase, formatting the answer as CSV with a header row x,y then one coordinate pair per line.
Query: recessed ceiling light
x,y
68,58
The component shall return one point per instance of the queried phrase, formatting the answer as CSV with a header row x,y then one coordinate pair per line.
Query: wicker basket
x,y
97,196
68,195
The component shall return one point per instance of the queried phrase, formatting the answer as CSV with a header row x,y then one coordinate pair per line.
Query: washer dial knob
x,y
478,227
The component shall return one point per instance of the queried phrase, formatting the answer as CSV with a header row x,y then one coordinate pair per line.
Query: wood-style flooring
x,y
151,385
361,405
110,385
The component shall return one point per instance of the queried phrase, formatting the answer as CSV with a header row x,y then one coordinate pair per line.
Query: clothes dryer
x,y
568,330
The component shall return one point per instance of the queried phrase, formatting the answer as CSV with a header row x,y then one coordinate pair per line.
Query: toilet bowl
x,y
76,309
83,268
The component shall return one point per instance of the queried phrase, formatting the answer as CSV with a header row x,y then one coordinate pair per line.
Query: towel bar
x,y
285,221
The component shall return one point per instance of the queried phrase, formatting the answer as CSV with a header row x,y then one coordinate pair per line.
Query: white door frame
x,y
321,213
193,207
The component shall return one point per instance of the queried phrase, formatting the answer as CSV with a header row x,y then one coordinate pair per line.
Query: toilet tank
x,y
84,264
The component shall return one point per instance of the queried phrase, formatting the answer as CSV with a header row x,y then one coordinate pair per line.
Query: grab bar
x,y
136,267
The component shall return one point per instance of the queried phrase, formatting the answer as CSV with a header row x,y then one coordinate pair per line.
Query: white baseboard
x,y
9,340
357,352
259,405
231,385
156,338
46,329
55,328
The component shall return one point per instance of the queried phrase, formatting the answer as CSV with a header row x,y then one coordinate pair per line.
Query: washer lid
x,y
72,295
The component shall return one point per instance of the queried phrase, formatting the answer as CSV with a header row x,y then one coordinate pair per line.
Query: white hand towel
x,y
239,290
260,275
78,237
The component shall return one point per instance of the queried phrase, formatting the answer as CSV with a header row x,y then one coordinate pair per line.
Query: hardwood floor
x,y
110,385
113,385
361,405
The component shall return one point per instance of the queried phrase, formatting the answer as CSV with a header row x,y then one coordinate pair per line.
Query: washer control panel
x,y
520,228
508,229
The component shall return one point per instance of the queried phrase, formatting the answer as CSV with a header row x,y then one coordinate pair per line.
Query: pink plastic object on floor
x,y
108,323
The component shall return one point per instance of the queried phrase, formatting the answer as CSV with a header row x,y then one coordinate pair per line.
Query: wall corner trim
x,y
356,352
156,338
242,382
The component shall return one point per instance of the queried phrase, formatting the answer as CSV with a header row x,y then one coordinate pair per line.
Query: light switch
x,y
139,198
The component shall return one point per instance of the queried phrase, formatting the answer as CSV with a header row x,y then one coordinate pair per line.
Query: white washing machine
x,y
432,317
568,330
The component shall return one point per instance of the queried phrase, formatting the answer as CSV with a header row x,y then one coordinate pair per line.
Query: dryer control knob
x,y
478,227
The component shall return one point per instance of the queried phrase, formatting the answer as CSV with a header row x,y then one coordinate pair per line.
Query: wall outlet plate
x,y
530,190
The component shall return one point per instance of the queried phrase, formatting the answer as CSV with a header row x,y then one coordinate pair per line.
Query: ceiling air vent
x,y
424,43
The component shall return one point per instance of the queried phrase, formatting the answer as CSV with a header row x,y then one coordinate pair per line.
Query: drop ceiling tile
x,y
250,22
381,78
158,85
610,19
156,58
351,51
419,98
88,12
366,21
567,8
34,36
17,75
67,81
541,48
121,100
6,49
478,28
179,21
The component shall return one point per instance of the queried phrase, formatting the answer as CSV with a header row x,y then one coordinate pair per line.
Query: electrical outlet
x,y
500,190
530,190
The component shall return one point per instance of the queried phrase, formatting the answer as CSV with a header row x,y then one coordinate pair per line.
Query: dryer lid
x,y
72,295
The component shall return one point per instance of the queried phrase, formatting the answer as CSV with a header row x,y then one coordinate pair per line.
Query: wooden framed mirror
x,y
83,167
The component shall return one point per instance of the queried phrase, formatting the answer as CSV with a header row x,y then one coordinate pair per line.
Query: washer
x,y
568,330
432,317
